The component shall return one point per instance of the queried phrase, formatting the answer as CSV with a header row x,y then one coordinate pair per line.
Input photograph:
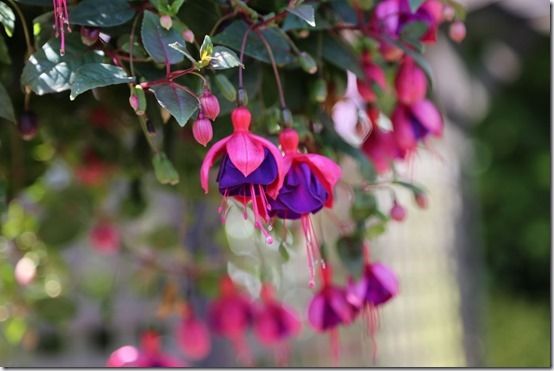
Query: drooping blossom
x,y
193,336
414,123
202,130
149,354
251,169
374,76
105,238
61,22
330,308
308,187
209,105
397,212
230,315
381,149
410,82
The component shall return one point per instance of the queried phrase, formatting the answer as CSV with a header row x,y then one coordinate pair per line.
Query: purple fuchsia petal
x,y
428,116
273,189
382,284
246,154
215,151
326,170
275,323
329,308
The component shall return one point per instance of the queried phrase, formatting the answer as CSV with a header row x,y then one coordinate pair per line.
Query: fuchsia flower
x,y
105,238
61,21
373,75
149,354
209,105
251,168
308,187
381,148
202,131
274,323
193,336
231,314
410,82
414,123
377,286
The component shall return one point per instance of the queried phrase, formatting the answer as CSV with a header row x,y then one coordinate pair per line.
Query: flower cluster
x,y
209,110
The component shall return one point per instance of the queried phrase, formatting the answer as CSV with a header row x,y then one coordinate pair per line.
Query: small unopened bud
x,y
397,212
318,91
307,63
457,31
166,22
137,100
209,105
89,36
188,35
202,131
421,200
28,125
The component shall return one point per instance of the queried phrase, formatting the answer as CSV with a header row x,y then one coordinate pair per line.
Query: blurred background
x,y
474,267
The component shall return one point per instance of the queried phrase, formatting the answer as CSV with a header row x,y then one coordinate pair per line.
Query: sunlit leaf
x,y
96,75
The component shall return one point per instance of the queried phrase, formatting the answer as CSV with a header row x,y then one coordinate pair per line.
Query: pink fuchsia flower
x,y
414,123
202,131
149,354
231,314
273,322
410,82
193,336
251,168
308,187
61,22
377,285
209,105
381,148
105,238
374,75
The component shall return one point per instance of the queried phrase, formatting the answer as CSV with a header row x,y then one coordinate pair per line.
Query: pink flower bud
x,y
410,82
397,212
188,35
421,200
289,140
134,102
166,22
105,238
202,131
241,118
209,105
194,338
457,31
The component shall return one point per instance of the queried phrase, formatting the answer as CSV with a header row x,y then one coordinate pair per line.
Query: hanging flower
x,y
410,82
231,315
193,336
374,76
149,354
377,286
61,22
381,148
251,169
308,187
414,123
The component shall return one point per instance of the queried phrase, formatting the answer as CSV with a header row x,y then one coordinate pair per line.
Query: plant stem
x,y
242,48
149,138
30,48
275,70
132,45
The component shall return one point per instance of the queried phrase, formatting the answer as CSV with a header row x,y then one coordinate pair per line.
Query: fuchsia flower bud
x,y
202,131
448,13
410,82
397,212
188,35
166,22
193,337
104,238
421,200
457,31
209,105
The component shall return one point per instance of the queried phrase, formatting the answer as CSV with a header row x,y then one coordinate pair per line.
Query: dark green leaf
x,y
47,71
223,58
305,12
6,106
340,55
4,54
7,18
164,169
156,40
183,50
413,31
101,13
181,104
232,37
44,3
415,4
97,75
200,15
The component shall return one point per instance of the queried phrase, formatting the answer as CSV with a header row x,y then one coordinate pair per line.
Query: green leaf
x,y
415,189
7,18
6,106
156,40
226,88
416,56
164,169
36,2
97,75
47,71
183,50
305,12
180,103
340,55
14,330
4,54
101,13
415,4
176,6
206,51
232,37
223,58
413,31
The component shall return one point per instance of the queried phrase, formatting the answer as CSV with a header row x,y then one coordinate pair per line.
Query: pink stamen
x,y
335,346
306,227
61,19
257,222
